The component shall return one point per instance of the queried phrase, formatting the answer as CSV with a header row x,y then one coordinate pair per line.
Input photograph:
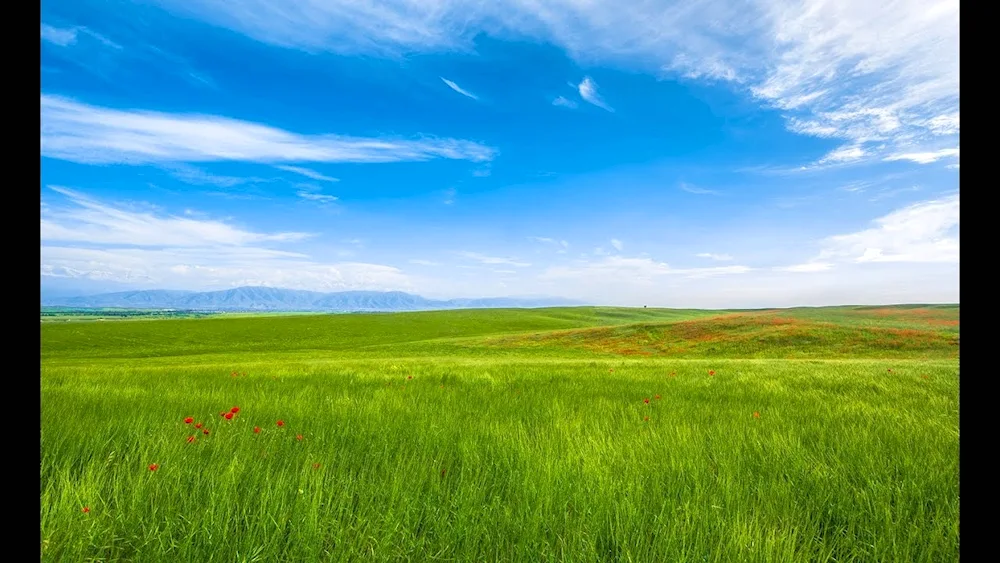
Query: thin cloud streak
x,y
459,89
93,135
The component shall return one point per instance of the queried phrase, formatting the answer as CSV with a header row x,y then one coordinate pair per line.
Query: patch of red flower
x,y
409,377
673,374
756,414
205,431
299,437
645,401
657,397
228,415
188,420
443,471
711,372
86,509
153,467
315,466
199,425
645,418
256,429
889,370
281,423
234,410
611,370
190,439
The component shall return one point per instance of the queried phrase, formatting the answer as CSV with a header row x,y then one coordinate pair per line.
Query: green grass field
x,y
505,435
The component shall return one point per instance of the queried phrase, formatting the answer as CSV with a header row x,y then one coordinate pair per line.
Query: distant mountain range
x,y
276,299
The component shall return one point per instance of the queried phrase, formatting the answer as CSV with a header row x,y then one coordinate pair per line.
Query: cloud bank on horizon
x,y
770,153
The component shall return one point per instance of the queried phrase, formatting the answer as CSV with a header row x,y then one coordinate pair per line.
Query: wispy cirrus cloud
x,y
317,197
91,221
58,36
484,259
924,157
642,269
307,173
94,135
696,190
564,102
716,257
459,89
588,91
86,239
870,74
560,245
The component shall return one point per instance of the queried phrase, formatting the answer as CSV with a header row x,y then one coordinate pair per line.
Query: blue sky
x,y
711,154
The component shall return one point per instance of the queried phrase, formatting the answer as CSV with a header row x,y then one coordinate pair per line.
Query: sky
x,y
711,154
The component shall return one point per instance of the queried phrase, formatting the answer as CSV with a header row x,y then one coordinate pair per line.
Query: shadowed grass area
x,y
435,437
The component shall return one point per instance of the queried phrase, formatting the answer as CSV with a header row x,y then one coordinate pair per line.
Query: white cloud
x,y
459,89
424,262
634,270
696,190
89,134
843,154
57,36
564,102
860,71
152,250
588,91
560,244
307,173
924,157
717,257
617,244
317,197
94,222
484,259
923,232
808,267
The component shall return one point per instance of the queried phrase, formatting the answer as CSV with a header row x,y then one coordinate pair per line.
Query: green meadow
x,y
573,434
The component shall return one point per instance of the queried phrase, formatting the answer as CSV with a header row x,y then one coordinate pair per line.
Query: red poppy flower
x,y
890,371
199,425
228,415
223,413
756,414
611,370
711,372
190,439
86,509
256,429
409,377
281,423
673,374
315,466
205,431
234,410
299,437
657,397
645,418
645,401
188,420
153,467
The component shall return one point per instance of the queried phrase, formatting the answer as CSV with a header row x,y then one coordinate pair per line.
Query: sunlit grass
x,y
482,455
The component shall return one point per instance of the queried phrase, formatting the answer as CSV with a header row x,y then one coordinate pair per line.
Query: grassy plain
x,y
505,435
